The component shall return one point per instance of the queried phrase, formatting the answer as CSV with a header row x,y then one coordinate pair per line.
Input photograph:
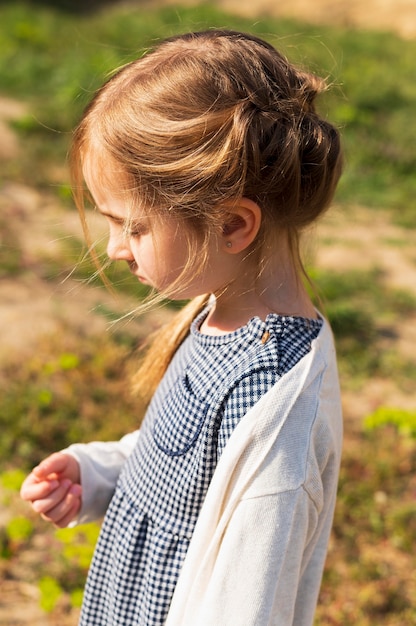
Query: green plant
x,y
55,60
78,544
19,529
366,579
50,592
12,479
404,420
10,250
363,312
73,386
39,411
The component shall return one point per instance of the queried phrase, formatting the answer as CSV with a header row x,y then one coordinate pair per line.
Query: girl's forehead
x,y
110,186
104,177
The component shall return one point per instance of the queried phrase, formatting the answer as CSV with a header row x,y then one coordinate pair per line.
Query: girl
x,y
208,159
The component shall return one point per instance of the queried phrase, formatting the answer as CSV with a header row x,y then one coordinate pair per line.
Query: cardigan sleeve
x,y
100,465
256,576
260,561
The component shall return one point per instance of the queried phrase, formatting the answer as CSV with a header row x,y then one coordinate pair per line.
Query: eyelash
x,y
137,230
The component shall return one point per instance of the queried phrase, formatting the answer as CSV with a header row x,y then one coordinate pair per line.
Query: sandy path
x,y
396,15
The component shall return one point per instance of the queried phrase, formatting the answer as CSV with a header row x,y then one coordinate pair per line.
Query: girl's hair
x,y
207,118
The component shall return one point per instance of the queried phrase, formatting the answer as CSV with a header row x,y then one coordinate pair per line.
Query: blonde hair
x,y
207,118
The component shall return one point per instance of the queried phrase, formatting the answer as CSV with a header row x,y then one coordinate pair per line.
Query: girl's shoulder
x,y
216,364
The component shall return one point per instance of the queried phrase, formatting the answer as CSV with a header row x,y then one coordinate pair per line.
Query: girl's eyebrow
x,y
126,223
115,218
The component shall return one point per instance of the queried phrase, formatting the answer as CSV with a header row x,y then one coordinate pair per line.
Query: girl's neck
x,y
279,290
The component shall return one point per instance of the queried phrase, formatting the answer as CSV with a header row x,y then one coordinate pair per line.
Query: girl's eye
x,y
137,230
129,228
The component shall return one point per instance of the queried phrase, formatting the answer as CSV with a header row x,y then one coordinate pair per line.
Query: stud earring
x,y
228,244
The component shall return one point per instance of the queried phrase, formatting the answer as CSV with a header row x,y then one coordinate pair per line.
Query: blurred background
x,y
65,360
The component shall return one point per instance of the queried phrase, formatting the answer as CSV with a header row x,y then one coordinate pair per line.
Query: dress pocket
x,y
179,420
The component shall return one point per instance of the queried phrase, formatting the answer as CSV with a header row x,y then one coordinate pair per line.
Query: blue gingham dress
x,y
210,384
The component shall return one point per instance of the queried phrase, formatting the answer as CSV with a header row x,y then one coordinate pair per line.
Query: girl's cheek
x,y
136,249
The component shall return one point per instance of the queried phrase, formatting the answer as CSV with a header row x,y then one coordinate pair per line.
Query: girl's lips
x,y
139,277
133,269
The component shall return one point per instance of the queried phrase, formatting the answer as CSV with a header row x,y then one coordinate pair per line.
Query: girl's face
x,y
157,251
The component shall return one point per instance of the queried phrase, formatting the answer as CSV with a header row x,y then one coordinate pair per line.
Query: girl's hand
x,y
53,488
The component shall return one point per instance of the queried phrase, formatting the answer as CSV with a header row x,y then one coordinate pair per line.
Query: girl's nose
x,y
118,248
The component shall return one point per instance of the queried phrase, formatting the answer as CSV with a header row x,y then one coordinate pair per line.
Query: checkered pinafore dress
x,y
208,387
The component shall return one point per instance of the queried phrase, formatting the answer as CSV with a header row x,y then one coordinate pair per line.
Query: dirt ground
x,y
46,224
33,306
397,15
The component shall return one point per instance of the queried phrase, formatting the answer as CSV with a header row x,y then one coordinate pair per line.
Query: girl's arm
x,y
75,485
100,465
53,488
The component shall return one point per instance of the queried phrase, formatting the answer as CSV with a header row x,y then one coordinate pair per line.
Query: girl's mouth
x,y
133,269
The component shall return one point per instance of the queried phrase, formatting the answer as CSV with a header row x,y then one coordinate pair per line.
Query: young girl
x,y
208,159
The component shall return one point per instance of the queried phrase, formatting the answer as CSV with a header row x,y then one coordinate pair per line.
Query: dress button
x,y
265,337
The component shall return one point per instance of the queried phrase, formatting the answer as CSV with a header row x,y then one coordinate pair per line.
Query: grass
x,y
10,258
364,315
53,60
369,575
42,394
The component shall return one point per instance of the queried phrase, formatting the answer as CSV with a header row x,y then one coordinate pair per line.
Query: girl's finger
x,y
54,465
70,515
33,489
52,499
64,511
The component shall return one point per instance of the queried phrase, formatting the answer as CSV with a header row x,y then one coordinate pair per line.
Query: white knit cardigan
x,y
258,551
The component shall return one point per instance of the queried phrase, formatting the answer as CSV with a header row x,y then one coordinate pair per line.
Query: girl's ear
x,y
241,225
